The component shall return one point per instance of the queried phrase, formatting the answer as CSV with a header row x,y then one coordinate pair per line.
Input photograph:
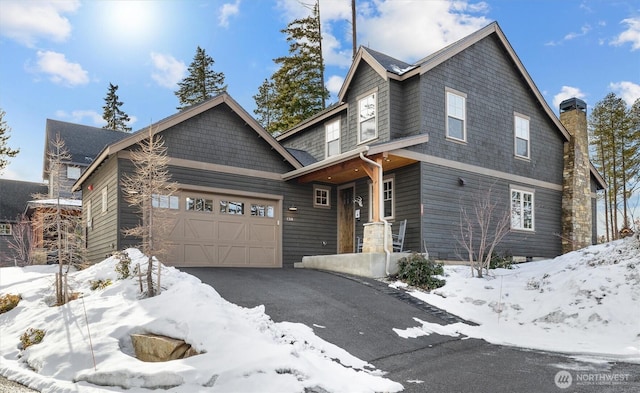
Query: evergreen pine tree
x,y
5,151
298,84
264,105
201,83
116,119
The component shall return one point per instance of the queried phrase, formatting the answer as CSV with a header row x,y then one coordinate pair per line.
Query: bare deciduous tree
x,y
145,188
482,230
22,239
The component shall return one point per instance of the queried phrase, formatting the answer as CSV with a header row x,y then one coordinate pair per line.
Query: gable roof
x,y
15,195
185,114
83,142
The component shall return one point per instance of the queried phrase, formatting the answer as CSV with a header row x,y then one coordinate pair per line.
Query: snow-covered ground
x,y
586,302
243,349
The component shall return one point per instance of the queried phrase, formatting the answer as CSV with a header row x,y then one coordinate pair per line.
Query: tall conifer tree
x,y
116,119
201,83
5,151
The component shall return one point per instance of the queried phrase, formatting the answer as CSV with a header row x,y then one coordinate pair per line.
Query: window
x,y
105,200
522,210
387,198
5,229
521,132
73,172
89,217
456,115
333,138
321,197
164,201
262,210
231,207
367,129
198,204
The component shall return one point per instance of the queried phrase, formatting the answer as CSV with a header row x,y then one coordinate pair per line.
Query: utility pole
x,y
353,28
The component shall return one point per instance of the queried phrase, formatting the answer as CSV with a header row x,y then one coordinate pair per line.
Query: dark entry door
x,y
346,220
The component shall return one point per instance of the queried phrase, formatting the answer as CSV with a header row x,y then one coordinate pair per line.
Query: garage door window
x,y
199,204
231,207
262,210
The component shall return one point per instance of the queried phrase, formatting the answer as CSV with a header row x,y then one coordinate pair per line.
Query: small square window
x,y
73,172
321,197
5,229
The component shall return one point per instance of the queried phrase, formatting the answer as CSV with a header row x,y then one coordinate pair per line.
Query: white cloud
x,y
334,83
584,30
628,91
565,93
60,70
632,34
78,116
228,10
167,70
28,21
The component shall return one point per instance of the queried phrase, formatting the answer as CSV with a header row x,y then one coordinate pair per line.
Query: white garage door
x,y
226,230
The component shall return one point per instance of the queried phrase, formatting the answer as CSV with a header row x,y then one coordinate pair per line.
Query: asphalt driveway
x,y
359,315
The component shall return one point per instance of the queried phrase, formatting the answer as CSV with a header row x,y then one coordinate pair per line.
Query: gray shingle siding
x,y
494,91
405,107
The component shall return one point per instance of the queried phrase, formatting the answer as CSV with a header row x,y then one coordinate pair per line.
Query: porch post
x,y
373,239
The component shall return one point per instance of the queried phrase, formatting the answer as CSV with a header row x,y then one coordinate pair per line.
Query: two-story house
x,y
413,142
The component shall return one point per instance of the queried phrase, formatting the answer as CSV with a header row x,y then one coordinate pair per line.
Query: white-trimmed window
x,y
332,132
105,200
165,201
388,198
522,210
89,215
73,172
5,229
367,118
456,115
321,196
521,135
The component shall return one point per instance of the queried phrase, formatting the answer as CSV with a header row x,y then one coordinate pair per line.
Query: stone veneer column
x,y
373,238
576,188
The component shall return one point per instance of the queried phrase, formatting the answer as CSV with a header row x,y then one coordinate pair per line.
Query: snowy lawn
x,y
242,349
585,302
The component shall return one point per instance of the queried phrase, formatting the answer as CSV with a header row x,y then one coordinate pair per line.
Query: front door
x,y
346,220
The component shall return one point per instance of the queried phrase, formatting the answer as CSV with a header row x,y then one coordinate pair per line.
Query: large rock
x,y
156,348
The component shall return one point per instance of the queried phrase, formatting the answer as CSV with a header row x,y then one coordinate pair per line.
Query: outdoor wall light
x,y
461,181
293,208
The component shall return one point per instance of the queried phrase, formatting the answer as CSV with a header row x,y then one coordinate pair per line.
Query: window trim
x,y
522,191
373,93
327,125
464,114
7,231
325,189
386,179
105,200
69,167
89,215
517,115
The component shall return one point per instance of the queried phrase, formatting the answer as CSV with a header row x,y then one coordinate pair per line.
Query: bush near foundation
x,y
419,271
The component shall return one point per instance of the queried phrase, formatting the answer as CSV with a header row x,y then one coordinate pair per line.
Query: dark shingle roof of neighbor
x,y
14,195
84,143
302,156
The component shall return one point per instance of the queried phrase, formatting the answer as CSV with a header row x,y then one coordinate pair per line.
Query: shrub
x,y
419,271
100,284
31,337
8,302
501,261
123,267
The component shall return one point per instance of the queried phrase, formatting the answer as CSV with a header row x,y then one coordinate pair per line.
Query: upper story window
x,y
321,196
521,135
5,229
332,131
105,200
73,172
522,214
367,118
456,115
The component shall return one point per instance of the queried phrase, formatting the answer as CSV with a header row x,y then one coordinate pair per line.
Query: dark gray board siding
x,y
495,90
102,236
443,197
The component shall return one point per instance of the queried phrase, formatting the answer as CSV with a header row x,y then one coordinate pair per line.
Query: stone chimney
x,y
576,188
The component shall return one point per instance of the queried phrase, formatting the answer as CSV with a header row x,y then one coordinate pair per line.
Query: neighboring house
x,y
439,133
82,143
14,195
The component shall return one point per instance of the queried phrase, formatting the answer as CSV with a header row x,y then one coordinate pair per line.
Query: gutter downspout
x,y
385,242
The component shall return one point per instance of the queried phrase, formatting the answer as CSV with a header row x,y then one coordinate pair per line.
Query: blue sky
x,y
58,58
